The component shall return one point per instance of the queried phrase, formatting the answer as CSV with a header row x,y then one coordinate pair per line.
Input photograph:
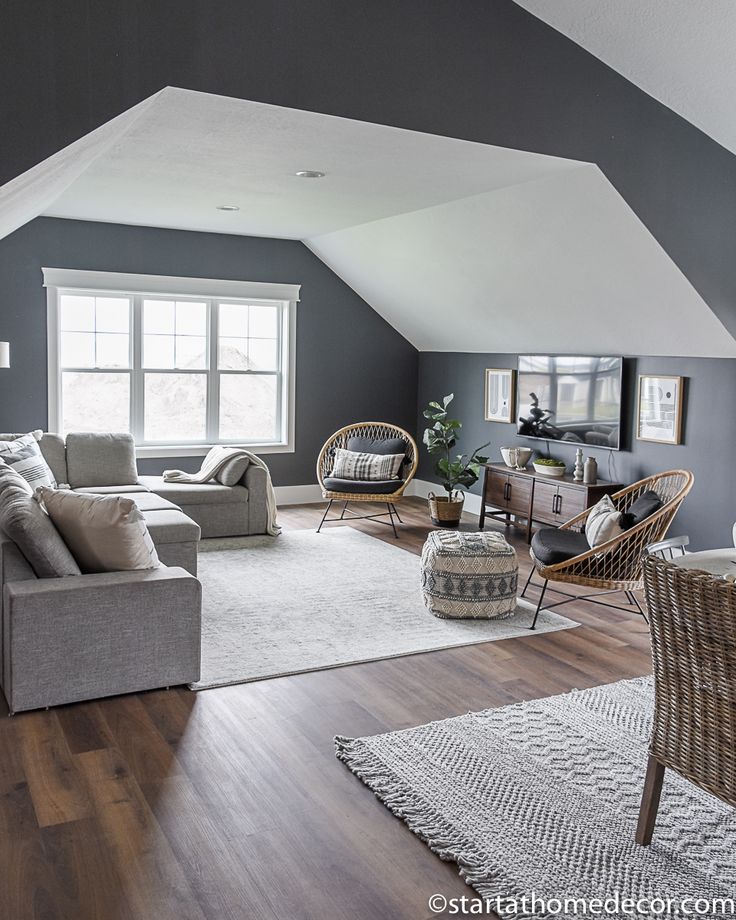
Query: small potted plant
x,y
456,472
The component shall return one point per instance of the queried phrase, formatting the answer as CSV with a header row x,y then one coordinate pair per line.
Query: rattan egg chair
x,y
390,492
615,566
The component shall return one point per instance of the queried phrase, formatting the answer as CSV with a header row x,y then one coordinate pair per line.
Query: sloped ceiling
x,y
561,263
680,52
460,246
194,151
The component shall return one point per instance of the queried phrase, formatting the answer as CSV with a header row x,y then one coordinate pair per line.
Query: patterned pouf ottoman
x,y
469,575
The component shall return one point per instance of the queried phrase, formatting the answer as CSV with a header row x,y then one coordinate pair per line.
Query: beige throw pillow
x,y
603,523
105,533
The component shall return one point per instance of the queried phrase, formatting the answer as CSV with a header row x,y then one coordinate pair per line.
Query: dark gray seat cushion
x,y
551,546
382,487
378,446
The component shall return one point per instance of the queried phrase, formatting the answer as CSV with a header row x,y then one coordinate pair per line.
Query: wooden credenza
x,y
536,497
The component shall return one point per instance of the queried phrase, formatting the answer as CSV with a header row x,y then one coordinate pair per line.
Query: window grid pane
x,y
174,334
248,407
95,331
248,337
95,401
175,407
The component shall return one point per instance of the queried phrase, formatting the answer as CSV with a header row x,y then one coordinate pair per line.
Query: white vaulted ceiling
x,y
681,52
460,246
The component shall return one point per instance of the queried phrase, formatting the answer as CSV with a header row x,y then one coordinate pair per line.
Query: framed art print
x,y
500,394
659,409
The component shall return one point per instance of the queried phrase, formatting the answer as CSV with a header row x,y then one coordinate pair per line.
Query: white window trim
x,y
58,280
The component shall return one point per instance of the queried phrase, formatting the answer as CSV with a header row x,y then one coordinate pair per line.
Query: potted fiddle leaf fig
x,y
455,471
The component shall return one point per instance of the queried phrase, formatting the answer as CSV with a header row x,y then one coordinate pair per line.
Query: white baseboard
x,y
298,495
310,494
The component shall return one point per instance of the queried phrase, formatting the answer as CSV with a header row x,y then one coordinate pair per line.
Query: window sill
x,y
199,450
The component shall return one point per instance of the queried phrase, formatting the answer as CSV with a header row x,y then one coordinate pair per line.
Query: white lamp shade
x,y
4,354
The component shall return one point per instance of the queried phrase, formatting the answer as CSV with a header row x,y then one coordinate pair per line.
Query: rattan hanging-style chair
x,y
367,437
615,566
692,618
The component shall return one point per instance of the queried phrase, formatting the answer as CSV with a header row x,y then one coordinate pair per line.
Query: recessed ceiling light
x,y
310,174
227,207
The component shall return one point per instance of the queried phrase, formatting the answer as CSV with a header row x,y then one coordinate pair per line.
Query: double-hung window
x,y
181,363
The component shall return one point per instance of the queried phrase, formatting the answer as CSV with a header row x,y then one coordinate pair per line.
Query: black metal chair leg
x,y
324,516
539,603
528,582
391,515
634,601
396,512
342,513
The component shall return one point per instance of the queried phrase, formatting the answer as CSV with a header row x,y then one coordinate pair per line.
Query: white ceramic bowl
x,y
549,470
522,456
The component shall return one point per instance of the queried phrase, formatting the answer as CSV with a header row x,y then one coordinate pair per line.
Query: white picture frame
x,y
659,408
500,394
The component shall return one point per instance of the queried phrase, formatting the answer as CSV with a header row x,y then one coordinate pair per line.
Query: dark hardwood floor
x,y
229,804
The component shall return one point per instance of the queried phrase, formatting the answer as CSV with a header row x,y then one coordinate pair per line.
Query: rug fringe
x,y
441,837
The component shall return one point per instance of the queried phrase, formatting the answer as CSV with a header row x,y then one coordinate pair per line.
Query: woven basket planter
x,y
445,512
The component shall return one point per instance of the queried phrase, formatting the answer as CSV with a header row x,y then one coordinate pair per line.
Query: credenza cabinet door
x,y
519,494
570,503
546,497
497,489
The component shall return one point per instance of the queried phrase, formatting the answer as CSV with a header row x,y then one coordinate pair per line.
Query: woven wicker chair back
x,y
693,624
618,563
375,431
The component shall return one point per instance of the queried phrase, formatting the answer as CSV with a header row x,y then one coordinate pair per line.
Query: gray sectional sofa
x,y
177,514
88,636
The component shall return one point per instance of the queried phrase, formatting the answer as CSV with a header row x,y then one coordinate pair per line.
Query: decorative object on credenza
x,y
500,394
456,472
578,472
659,409
590,471
516,458
548,466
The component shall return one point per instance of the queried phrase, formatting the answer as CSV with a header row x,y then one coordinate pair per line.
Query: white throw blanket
x,y
211,466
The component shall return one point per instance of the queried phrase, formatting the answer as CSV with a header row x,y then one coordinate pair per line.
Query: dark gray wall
x,y
484,70
351,365
709,432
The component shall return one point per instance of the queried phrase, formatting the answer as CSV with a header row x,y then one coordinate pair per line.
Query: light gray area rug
x,y
305,601
544,797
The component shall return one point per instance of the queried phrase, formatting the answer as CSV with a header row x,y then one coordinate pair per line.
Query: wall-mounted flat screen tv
x,y
570,398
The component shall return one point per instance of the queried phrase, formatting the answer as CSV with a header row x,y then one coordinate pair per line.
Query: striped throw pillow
x,y
603,523
25,457
351,464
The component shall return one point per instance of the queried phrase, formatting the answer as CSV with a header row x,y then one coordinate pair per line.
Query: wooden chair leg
x,y
650,801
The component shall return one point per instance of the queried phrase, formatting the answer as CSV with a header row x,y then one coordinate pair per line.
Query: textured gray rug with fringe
x,y
305,601
544,796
